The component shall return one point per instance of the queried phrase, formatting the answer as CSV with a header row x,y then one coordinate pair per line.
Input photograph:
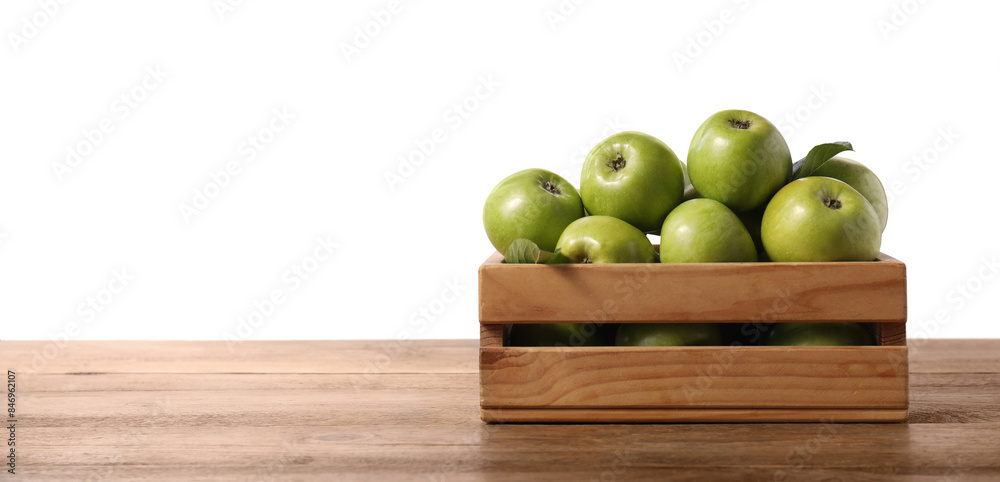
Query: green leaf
x,y
817,157
558,258
525,251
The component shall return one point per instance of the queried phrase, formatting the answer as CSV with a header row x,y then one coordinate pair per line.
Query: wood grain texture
x,y
756,377
887,334
491,336
690,415
698,292
362,357
115,411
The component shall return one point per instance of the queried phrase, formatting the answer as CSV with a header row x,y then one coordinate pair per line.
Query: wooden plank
x,y
954,397
500,448
694,377
698,292
45,386
485,448
303,356
954,356
689,415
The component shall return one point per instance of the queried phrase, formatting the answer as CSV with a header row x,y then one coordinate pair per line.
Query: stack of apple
x,y
739,199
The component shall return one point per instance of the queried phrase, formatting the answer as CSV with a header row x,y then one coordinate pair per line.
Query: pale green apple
x,y
705,231
634,177
820,219
533,204
604,239
862,179
668,334
739,159
818,334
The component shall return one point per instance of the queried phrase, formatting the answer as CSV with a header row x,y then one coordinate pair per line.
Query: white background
x,y
889,76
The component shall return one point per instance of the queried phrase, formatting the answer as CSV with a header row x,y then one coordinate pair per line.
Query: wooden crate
x,y
694,384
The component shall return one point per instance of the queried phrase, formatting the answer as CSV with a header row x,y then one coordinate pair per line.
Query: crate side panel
x,y
871,292
694,377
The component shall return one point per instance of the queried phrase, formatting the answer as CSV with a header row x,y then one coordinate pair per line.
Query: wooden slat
x,y
954,356
492,451
689,415
700,292
694,377
362,357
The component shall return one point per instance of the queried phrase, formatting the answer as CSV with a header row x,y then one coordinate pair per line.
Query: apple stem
x,y
740,124
618,163
551,187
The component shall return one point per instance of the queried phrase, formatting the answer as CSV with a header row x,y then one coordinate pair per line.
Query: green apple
x,y
559,334
533,204
817,334
705,231
820,219
634,177
862,179
604,239
668,334
739,159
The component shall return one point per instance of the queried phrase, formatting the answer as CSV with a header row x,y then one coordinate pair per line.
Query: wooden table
x,y
381,410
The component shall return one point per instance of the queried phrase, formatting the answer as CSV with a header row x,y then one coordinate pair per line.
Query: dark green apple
x,y
862,179
604,239
820,219
705,231
739,159
668,334
533,204
634,177
818,334
559,334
